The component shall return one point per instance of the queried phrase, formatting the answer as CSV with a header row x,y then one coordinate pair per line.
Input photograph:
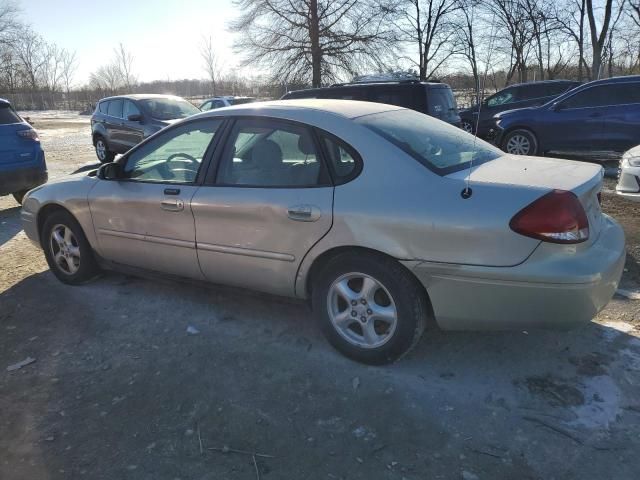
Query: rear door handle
x,y
304,213
172,204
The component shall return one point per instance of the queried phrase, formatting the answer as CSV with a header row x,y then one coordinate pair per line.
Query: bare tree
x,y
598,38
323,38
30,53
69,67
106,78
8,21
427,25
124,64
571,17
210,62
466,35
51,66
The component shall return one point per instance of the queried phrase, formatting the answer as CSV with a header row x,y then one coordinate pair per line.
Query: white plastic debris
x,y
191,330
19,365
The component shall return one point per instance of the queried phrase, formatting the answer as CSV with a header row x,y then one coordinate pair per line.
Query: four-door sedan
x,y
119,123
599,115
360,207
22,164
629,181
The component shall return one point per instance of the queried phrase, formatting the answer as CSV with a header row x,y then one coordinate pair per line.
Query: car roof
x,y
344,108
355,85
2,100
542,82
628,78
141,96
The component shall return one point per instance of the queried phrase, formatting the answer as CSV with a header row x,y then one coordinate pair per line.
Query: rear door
x,y
270,202
622,117
114,126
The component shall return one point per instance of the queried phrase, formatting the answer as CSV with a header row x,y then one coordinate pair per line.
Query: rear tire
x,y
520,142
19,196
67,250
467,126
370,308
102,150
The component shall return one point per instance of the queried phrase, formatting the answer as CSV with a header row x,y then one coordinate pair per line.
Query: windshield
x,y
438,146
441,102
168,108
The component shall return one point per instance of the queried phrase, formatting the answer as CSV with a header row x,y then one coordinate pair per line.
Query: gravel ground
x,y
119,389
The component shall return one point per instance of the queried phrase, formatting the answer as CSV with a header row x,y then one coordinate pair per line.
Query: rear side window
x,y
531,92
115,108
625,93
341,158
441,102
8,115
393,96
558,88
598,96
103,107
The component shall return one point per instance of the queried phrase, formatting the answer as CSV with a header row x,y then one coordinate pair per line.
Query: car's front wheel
x,y
369,307
520,142
467,126
102,151
67,249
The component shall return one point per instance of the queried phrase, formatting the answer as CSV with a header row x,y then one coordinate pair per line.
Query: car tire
x,y
19,196
102,150
383,320
67,250
467,126
520,142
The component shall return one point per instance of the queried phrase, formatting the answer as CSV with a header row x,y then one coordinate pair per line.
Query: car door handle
x,y
304,213
172,204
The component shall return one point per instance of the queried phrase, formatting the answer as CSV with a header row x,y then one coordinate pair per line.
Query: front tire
x,y
520,142
369,307
67,250
102,151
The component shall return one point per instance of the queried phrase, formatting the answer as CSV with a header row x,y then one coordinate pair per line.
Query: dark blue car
x,y
22,164
599,115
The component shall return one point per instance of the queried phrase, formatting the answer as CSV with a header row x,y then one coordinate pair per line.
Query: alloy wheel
x,y
65,249
101,150
361,310
467,127
518,145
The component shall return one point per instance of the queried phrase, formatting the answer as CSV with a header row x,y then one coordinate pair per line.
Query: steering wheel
x,y
185,156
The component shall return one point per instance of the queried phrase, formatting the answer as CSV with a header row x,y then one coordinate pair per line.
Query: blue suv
x,y
599,115
22,164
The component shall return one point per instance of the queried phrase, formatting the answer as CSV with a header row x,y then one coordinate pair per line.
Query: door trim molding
x,y
148,238
246,252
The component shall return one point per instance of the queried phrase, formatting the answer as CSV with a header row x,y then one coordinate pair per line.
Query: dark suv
x,y
515,96
435,99
119,123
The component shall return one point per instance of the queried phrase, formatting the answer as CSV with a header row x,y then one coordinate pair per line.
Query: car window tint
x,y
218,104
592,97
115,108
558,88
502,98
205,106
530,92
8,115
625,93
104,106
130,108
392,96
174,156
270,154
339,156
441,102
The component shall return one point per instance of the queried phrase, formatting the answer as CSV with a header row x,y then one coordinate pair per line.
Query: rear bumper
x,y
546,291
17,180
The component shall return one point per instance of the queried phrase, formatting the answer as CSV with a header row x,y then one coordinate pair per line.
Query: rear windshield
x,y
240,101
438,146
441,102
168,108
8,115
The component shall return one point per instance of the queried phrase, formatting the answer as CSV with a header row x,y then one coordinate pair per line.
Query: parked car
x,y
599,115
119,123
22,163
515,96
354,205
226,101
431,98
629,180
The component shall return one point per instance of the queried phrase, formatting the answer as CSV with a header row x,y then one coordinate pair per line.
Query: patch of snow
x,y
602,403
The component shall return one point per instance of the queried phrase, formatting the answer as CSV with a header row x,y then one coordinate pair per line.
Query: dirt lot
x,y
119,389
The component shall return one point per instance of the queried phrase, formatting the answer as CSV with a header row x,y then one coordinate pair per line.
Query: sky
x,y
163,36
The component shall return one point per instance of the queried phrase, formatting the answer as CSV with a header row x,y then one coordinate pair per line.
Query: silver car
x,y
383,217
629,181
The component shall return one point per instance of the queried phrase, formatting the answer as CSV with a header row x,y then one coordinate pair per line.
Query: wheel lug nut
x,y
363,319
354,303
369,311
354,313
363,301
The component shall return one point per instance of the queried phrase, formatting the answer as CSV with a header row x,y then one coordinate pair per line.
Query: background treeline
x,y
302,43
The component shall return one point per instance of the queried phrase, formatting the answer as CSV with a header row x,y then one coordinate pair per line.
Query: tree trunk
x,y
316,51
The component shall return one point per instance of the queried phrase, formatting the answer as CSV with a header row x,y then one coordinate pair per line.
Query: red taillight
x,y
29,133
556,217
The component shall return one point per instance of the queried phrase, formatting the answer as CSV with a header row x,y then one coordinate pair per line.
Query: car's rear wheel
x,y
467,126
19,196
102,151
520,142
67,249
369,307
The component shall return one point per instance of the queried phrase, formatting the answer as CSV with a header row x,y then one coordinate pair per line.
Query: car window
x,y
103,107
598,96
341,158
168,108
115,108
8,115
205,106
441,102
440,147
218,104
270,154
530,92
502,98
174,156
625,93
558,88
393,96
130,108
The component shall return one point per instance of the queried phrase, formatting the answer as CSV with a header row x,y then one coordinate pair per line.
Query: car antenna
x,y
467,191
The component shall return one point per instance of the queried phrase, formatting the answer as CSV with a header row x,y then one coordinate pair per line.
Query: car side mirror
x,y
110,171
136,117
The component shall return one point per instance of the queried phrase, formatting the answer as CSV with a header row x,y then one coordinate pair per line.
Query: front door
x,y
145,219
271,201
622,118
132,130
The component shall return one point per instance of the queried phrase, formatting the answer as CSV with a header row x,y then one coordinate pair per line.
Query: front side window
x,y
130,108
502,98
173,157
269,153
439,147
598,96
205,106
625,94
168,108
115,108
